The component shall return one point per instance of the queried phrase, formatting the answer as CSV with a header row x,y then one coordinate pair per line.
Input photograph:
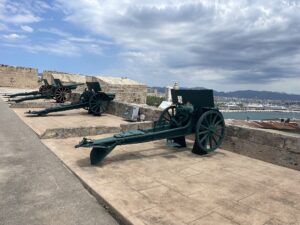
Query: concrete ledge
x,y
119,108
276,147
78,131
33,104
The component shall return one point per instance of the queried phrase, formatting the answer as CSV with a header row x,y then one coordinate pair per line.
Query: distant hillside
x,y
259,95
249,94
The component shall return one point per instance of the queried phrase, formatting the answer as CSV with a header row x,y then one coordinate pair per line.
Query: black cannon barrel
x,y
59,108
21,94
35,97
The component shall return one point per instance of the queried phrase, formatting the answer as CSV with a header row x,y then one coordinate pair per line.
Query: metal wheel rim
x,y
60,94
97,105
210,130
166,116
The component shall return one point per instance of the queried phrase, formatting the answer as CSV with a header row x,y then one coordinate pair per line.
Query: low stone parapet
x,y
272,146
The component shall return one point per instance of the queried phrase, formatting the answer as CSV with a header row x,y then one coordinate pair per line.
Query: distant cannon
x,y
192,111
43,88
58,91
92,99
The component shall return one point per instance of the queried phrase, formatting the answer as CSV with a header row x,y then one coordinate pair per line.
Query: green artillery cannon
x,y
92,99
43,88
58,91
192,112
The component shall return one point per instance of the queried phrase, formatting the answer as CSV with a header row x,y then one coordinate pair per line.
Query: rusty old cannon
x,y
192,112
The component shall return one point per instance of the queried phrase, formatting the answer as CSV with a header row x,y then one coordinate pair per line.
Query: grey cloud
x,y
249,42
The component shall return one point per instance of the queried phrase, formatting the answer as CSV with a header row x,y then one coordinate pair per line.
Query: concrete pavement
x,y
151,183
35,187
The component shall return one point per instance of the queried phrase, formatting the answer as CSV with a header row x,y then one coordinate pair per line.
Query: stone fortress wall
x,y
66,77
18,77
126,90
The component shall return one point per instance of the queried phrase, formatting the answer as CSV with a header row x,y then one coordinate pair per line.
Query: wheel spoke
x,y
210,142
219,122
213,138
203,138
211,118
166,118
202,125
203,132
214,120
207,123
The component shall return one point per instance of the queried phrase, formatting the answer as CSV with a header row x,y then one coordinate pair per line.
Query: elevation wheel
x,y
61,94
98,103
210,131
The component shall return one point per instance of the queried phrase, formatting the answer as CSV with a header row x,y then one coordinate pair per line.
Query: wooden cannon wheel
x,y
210,131
98,103
61,94
172,116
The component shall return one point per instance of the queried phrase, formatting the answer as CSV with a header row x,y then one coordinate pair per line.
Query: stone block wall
x,y
67,78
119,108
18,77
267,145
126,90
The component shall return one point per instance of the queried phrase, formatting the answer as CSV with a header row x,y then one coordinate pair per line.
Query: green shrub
x,y
154,101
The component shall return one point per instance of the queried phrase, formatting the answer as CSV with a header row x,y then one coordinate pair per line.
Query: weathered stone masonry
x,y
266,145
126,90
18,77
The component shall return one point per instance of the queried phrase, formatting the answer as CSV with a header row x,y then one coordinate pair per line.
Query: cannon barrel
x,y
41,90
57,91
72,85
21,94
58,109
35,97
192,111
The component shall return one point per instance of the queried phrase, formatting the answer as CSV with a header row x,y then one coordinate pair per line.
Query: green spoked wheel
x,y
61,94
210,130
97,104
173,116
167,116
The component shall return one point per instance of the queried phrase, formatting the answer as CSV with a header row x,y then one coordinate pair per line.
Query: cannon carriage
x,y
192,112
58,91
92,99
42,89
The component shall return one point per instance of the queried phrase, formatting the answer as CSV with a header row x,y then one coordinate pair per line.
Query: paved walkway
x,y
35,187
151,183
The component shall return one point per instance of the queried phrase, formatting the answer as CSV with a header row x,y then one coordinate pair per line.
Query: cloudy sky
x,y
222,44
